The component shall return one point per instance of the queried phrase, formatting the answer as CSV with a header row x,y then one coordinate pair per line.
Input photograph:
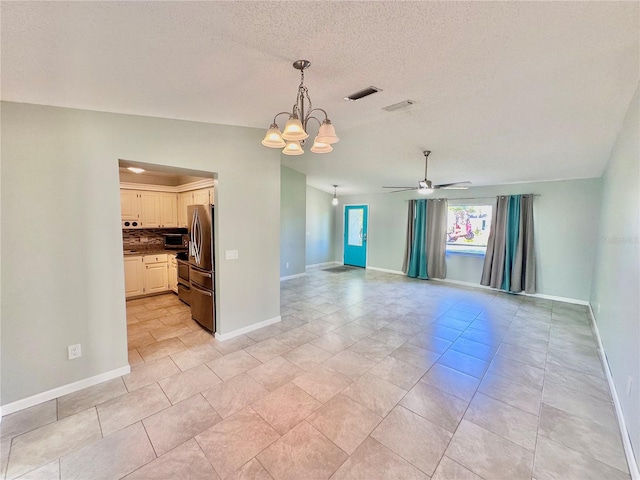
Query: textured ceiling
x,y
505,91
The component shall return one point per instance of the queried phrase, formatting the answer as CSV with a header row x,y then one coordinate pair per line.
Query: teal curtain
x,y
425,248
512,232
418,256
510,262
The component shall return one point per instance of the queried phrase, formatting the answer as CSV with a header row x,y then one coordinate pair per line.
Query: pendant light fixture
x,y
295,133
334,202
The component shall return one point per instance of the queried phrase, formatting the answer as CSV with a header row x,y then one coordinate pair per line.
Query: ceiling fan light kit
x,y
292,138
425,187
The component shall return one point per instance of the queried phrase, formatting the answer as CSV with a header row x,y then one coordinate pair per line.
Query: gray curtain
x,y
509,263
425,247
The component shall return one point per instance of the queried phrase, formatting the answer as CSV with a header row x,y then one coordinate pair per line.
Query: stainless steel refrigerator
x,y
202,265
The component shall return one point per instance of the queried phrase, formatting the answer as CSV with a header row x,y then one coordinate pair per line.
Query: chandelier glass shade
x,y
293,137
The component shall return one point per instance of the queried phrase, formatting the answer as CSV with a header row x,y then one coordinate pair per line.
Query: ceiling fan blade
x,y
405,190
454,185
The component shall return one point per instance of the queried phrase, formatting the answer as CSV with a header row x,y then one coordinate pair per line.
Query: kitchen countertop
x,y
148,251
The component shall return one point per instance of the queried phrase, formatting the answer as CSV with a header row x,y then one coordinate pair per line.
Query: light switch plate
x,y
231,254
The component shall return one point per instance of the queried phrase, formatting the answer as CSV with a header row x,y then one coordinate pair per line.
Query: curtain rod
x,y
475,198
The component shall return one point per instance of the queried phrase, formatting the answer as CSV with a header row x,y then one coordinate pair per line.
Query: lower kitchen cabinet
x,y
133,278
148,274
173,274
156,277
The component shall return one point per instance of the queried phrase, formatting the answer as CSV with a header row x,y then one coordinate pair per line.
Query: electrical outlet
x,y
629,385
74,351
231,254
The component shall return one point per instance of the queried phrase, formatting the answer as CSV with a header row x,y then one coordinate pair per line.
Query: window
x,y
468,228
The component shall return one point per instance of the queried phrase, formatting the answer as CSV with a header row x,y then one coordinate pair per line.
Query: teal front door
x,y
355,235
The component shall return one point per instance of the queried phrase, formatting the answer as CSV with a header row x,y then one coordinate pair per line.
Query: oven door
x,y
183,272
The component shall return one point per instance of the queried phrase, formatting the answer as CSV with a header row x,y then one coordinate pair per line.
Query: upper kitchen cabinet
x,y
184,200
203,196
168,210
130,204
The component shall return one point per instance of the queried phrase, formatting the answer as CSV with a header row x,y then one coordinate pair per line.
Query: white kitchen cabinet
x,y
130,204
203,196
184,200
150,209
133,277
156,273
173,274
168,210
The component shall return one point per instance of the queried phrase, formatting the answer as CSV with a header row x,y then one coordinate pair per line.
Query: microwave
x,y
176,240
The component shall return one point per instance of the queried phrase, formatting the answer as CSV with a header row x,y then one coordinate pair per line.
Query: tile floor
x,y
368,375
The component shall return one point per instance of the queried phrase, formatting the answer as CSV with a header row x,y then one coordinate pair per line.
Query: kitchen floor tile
x,y
450,470
332,342
28,419
285,407
161,349
390,337
502,419
554,461
234,441
307,356
111,457
130,408
274,373
589,438
267,349
186,384
489,455
440,408
134,357
372,349
519,395
151,372
184,461
47,472
322,383
464,363
451,381
345,422
233,364
414,438
374,461
350,364
90,397
401,374
174,425
234,394
197,338
376,394
302,453
195,355
41,446
252,470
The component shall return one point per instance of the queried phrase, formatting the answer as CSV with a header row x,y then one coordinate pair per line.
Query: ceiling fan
x,y
425,186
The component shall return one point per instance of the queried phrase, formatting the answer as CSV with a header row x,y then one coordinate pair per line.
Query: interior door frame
x,y
344,210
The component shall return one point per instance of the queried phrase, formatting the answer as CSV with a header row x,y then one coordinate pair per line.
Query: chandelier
x,y
294,134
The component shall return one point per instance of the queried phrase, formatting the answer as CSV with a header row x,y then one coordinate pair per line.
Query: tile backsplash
x,y
153,236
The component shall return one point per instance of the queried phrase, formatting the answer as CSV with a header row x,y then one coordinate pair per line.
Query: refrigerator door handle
x,y
199,290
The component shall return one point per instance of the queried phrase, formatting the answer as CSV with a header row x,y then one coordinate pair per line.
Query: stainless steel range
x,y
202,265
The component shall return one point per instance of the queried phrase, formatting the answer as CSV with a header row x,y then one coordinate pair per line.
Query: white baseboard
x,y
241,331
544,296
320,265
64,390
385,270
626,441
289,277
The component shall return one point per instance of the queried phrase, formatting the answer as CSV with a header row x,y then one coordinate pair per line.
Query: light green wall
x,y
292,222
320,226
615,297
62,273
564,215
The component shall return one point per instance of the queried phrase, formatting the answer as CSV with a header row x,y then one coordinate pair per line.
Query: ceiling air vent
x,y
398,106
362,93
